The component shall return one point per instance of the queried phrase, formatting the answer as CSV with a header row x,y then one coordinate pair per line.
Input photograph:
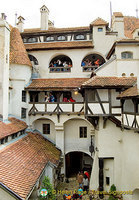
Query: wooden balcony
x,y
49,108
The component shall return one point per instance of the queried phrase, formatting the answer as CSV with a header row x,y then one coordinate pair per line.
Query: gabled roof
x,y
59,45
56,84
113,82
131,92
118,14
14,126
98,22
18,54
130,24
24,161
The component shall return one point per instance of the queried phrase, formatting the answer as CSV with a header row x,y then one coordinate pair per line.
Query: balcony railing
x,y
56,108
59,69
89,68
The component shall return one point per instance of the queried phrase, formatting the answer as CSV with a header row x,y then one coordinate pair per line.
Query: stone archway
x,y
77,161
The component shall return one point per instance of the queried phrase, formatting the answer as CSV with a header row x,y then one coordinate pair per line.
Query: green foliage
x,y
112,193
47,185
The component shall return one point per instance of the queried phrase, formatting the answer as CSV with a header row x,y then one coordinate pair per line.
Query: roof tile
x,y
65,83
23,162
14,126
18,54
102,81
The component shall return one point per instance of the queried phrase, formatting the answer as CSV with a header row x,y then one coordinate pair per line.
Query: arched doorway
x,y
77,161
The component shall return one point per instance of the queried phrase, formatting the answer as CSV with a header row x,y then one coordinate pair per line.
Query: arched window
x,y
61,37
50,38
126,55
92,62
123,74
32,39
33,59
132,74
60,64
80,37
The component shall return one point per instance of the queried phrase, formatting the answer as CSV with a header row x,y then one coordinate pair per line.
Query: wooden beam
x,y
98,97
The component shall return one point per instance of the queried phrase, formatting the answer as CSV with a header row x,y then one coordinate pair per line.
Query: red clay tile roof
x,y
99,21
23,162
56,84
131,92
100,82
18,54
56,30
130,24
59,45
118,14
14,126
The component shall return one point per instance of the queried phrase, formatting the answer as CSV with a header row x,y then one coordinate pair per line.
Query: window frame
x,y
24,96
99,29
125,55
50,39
33,40
23,113
77,35
64,38
83,132
46,129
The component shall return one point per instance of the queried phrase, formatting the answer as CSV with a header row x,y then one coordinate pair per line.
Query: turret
x,y
44,17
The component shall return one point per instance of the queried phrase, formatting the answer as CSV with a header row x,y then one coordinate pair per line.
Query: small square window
x,y
23,96
83,132
23,113
2,141
46,128
100,29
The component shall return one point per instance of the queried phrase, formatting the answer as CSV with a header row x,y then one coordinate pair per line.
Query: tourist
x,y
51,98
75,196
87,174
85,183
97,63
46,99
80,192
80,179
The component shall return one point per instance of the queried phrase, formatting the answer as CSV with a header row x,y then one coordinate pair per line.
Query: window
x,y
31,40
6,139
123,74
126,55
35,96
83,132
50,38
132,74
23,96
107,180
79,37
23,113
14,135
100,29
46,128
61,37
138,33
2,141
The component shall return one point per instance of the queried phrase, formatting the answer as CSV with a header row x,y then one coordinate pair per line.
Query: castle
x,y
92,123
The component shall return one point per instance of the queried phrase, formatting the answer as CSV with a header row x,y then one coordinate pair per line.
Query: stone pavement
x,y
71,186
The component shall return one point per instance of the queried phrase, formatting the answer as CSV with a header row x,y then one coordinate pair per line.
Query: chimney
x,y
3,16
44,17
118,24
20,23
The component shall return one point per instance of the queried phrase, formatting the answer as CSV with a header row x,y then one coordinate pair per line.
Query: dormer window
x,y
80,37
31,40
50,38
61,38
100,29
126,55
